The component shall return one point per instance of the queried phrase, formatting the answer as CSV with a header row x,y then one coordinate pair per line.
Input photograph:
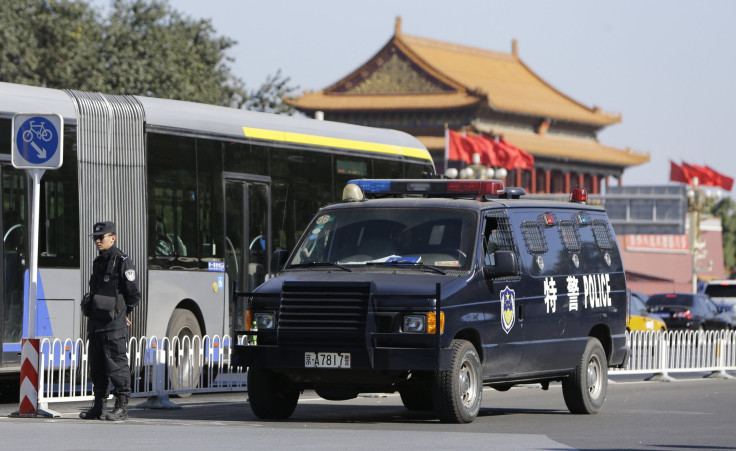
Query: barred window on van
x,y
534,238
498,232
570,236
602,235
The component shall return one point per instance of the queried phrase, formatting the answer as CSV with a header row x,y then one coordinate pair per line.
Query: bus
x,y
201,196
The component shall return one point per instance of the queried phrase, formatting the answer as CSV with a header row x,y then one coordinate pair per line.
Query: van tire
x,y
585,389
458,392
183,324
271,397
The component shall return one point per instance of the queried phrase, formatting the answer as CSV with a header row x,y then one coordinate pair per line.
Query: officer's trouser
x,y
109,363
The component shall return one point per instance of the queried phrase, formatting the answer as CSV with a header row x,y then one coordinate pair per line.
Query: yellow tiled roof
x,y
502,80
508,83
559,147
356,102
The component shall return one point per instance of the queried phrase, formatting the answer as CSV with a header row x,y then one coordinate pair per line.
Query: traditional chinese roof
x,y
414,73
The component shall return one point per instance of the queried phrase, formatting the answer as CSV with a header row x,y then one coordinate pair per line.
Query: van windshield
x,y
407,236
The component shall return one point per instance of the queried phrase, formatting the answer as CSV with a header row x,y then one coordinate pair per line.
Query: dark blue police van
x,y
435,288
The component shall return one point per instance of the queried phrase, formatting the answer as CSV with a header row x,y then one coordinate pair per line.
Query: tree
x,y
143,47
726,210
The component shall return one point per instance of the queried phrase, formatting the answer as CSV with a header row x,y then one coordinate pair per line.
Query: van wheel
x,y
458,391
585,389
184,373
271,397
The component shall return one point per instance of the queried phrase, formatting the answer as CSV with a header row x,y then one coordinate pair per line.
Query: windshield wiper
x,y
313,264
411,263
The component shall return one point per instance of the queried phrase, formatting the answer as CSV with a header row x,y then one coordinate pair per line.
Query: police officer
x,y
113,295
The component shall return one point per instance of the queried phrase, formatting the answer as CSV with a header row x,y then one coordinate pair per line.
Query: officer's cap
x,y
102,228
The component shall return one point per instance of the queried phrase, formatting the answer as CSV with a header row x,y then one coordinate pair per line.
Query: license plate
x,y
327,360
663,314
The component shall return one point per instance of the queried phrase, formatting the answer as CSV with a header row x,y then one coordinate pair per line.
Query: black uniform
x,y
113,275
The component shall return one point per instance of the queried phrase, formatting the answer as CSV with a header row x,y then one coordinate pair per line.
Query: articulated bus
x,y
201,196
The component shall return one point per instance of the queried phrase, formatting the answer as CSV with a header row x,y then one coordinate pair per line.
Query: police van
x,y
436,288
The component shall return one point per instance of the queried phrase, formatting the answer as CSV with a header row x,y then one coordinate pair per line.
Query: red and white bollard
x,y
30,359
29,378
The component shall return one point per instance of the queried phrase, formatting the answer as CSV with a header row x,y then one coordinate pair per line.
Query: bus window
x,y
301,184
387,169
209,202
246,159
14,249
349,168
59,213
172,202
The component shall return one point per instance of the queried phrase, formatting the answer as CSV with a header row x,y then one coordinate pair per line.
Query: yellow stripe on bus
x,y
301,138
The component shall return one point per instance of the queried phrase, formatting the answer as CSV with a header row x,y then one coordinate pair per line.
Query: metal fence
x,y
163,367
160,367
661,353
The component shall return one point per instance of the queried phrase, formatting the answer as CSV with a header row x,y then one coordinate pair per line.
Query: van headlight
x,y
415,323
265,320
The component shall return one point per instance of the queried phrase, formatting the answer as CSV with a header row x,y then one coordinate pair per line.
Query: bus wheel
x,y
459,390
184,373
270,396
585,389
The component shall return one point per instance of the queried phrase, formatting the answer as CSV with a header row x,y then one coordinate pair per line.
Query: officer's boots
x,y
95,412
120,411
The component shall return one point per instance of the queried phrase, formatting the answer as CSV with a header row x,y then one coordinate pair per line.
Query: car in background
x,y
640,318
688,311
723,293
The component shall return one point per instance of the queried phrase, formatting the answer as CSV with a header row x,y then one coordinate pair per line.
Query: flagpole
x,y
447,147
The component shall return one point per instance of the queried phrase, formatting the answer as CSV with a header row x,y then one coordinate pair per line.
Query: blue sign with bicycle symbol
x,y
37,141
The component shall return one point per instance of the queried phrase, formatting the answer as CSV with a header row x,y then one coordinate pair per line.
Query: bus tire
x,y
270,396
458,392
184,324
585,389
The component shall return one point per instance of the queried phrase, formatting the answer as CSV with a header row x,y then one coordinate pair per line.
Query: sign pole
x,y
37,145
36,174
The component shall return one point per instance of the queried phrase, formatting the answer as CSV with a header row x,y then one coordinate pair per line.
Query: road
x,y
690,413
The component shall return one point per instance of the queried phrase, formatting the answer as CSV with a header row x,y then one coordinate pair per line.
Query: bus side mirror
x,y
506,264
278,260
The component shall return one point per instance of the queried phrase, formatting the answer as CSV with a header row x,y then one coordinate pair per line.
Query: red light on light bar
x,y
579,195
670,295
549,220
479,187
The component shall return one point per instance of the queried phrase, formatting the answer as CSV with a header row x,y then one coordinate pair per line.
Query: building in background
x,y
422,87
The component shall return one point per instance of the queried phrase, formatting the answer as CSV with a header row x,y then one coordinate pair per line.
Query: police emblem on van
x,y
508,309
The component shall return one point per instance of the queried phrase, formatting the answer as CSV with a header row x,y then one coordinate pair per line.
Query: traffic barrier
x,y
162,367
660,353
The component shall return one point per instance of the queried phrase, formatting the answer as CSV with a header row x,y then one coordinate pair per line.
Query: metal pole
x,y
36,174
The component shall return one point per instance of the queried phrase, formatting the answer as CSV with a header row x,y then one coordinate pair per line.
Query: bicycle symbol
x,y
39,130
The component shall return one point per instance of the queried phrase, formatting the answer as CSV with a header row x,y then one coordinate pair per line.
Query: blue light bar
x,y
373,186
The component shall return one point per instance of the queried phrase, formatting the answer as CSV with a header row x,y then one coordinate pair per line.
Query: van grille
x,y
322,315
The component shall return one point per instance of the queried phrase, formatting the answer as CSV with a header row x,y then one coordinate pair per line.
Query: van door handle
x,y
521,311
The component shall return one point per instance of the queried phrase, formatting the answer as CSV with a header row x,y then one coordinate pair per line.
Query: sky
x,y
667,66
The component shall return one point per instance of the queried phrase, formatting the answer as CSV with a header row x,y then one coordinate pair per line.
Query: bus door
x,y
13,265
247,230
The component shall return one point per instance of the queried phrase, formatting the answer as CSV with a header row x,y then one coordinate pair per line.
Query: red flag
x,y
704,177
484,148
515,158
725,181
678,174
456,148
